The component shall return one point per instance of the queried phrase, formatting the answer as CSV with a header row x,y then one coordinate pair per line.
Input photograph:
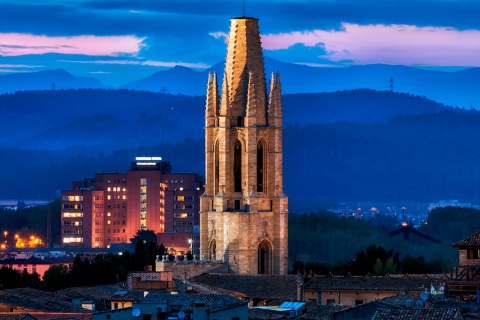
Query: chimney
x,y
300,283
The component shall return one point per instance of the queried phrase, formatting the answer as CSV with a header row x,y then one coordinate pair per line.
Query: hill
x,y
111,119
353,145
457,89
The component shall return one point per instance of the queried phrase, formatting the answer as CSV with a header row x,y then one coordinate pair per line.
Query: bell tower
x,y
244,212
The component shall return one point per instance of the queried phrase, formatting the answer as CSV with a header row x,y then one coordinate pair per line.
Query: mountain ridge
x,y
455,89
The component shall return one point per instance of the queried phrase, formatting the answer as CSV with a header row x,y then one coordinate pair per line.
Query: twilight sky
x,y
123,40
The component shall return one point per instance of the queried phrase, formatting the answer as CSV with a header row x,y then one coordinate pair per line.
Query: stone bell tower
x,y
244,212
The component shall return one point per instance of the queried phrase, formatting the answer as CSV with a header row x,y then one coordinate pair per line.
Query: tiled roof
x,y
417,314
400,301
260,314
185,302
253,286
130,295
437,300
93,292
38,300
323,312
472,241
45,316
369,283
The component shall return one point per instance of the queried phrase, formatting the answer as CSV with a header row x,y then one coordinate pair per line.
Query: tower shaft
x,y
244,213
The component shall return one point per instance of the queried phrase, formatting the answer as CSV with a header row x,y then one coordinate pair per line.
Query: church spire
x,y
275,102
244,212
245,68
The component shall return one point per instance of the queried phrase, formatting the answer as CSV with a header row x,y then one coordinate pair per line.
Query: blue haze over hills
x,y
345,144
457,89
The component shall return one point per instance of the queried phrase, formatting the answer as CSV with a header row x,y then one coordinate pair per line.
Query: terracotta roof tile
x,y
472,241
323,312
368,283
253,286
92,292
38,300
185,302
414,314
45,315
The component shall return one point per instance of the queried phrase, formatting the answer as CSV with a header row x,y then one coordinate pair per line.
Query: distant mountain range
x,y
457,89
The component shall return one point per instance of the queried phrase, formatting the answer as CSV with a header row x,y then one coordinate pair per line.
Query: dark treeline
x,y
89,271
323,242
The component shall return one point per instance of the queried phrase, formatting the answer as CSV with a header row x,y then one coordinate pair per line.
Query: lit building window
x,y
72,240
73,214
109,189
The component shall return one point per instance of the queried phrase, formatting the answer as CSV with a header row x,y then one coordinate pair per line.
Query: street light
x,y
5,234
190,246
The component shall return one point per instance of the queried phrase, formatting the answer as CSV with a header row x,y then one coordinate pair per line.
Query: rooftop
x,y
471,241
420,314
404,283
252,286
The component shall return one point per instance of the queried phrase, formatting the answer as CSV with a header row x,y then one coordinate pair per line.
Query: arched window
x,y
217,165
264,258
237,167
212,250
260,166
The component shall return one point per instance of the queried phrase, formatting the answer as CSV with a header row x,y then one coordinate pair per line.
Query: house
x,y
465,278
94,298
163,305
35,263
367,311
353,290
33,301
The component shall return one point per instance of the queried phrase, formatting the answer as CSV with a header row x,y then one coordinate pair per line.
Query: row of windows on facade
x,y
116,181
20,269
68,231
183,223
110,231
72,223
72,206
73,214
72,239
115,197
184,206
109,239
114,222
115,189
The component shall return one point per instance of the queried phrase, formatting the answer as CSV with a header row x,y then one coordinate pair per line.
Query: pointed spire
x,y
275,101
224,103
212,96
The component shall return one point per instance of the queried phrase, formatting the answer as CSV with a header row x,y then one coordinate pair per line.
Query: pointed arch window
x,y
260,166
237,167
217,167
264,258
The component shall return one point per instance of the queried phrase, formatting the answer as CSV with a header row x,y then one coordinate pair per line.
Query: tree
x,y
143,236
56,278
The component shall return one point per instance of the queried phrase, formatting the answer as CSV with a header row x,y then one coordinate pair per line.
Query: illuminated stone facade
x,y
244,212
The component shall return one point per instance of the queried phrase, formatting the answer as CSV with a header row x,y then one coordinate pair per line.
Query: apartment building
x,y
111,207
